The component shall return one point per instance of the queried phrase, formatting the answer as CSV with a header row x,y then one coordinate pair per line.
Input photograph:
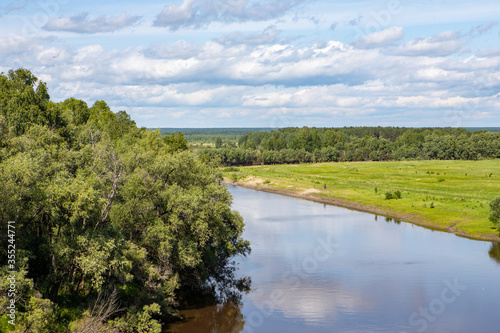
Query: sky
x,y
265,63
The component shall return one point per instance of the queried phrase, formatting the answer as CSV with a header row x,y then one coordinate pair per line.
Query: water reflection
x,y
495,252
369,277
389,219
222,318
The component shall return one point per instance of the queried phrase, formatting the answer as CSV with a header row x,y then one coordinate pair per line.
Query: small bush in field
x,y
390,195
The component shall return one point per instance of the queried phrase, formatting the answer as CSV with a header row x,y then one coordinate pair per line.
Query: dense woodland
x,y
115,225
228,135
306,145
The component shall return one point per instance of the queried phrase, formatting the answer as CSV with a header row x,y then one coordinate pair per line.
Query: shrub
x,y
233,177
495,212
390,195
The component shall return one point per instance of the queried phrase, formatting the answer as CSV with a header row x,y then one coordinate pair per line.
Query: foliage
x,y
100,204
209,134
305,145
140,322
395,195
218,142
495,212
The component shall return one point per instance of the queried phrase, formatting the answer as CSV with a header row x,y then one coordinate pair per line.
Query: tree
x,y
176,142
218,142
23,101
495,212
99,205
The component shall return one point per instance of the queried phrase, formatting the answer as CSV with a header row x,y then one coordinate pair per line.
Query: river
x,y
321,268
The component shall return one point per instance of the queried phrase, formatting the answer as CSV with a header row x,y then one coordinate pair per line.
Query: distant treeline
x,y
489,129
211,134
306,145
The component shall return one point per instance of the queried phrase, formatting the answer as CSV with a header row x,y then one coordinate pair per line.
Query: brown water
x,y
319,268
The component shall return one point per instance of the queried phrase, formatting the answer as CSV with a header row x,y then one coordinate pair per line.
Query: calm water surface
x,y
320,268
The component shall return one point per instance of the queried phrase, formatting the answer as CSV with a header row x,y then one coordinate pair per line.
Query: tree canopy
x,y
105,214
304,145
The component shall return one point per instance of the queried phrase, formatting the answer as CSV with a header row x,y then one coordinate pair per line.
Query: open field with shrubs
x,y
448,195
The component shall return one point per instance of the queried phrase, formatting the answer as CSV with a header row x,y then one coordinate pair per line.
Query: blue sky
x,y
265,63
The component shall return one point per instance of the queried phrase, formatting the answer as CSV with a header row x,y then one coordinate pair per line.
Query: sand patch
x,y
310,191
250,180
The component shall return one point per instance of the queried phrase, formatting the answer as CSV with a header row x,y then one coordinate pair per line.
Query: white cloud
x,y
248,80
268,36
177,50
15,44
439,45
380,38
489,52
200,13
82,23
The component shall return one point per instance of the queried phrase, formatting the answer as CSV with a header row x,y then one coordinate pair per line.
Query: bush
x,y
390,195
233,177
495,212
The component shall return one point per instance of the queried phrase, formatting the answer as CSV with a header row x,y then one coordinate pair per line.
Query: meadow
x,y
447,195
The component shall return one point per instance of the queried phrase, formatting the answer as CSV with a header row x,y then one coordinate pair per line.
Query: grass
x,y
446,194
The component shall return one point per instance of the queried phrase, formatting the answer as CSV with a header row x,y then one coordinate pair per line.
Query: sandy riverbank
x,y
312,195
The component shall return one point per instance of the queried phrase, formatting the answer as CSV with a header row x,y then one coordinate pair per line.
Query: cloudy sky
x,y
265,63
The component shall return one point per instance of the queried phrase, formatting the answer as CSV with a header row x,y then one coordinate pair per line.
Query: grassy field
x,y
452,195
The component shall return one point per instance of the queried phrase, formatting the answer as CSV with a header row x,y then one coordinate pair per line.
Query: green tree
x,y
495,212
218,142
176,142
99,205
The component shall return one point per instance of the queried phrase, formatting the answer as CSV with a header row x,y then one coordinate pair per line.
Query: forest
x,y
210,135
308,145
106,227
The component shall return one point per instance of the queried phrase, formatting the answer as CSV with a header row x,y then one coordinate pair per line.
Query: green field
x,y
453,195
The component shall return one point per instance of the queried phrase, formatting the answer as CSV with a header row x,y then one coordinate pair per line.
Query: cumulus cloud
x,y
253,73
199,13
380,38
83,23
442,44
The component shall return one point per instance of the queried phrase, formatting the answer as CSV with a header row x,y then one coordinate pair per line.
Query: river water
x,y
321,268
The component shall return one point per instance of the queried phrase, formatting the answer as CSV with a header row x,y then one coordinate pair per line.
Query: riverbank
x,y
451,196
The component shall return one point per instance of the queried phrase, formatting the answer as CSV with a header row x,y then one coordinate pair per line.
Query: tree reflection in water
x,y
225,317
495,252
216,308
